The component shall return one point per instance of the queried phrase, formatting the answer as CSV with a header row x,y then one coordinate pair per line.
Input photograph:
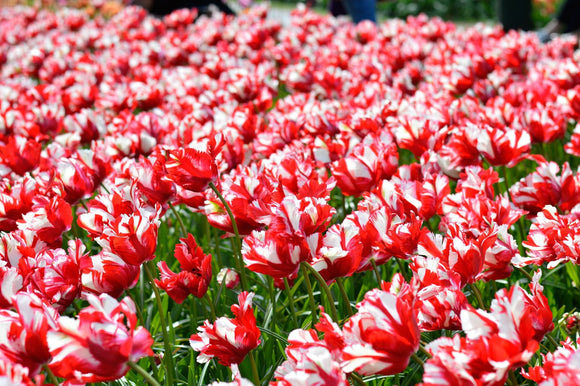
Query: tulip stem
x,y
291,301
402,269
139,370
238,251
376,269
512,379
217,246
219,293
51,376
357,379
255,374
417,359
477,295
168,357
310,295
179,220
323,285
552,340
272,298
211,306
344,296
424,351
526,274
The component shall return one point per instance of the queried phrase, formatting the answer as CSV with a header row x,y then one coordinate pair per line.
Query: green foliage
x,y
446,9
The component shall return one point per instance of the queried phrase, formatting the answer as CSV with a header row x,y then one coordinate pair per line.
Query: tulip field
x,y
222,200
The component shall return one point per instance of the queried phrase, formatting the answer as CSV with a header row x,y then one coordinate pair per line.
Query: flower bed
x,y
193,202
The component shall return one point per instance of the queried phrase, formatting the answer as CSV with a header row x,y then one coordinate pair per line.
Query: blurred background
x,y
455,10
468,11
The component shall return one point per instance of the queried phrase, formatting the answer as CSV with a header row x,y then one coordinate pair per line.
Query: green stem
x,y
139,370
402,269
357,379
211,307
105,188
512,379
78,308
272,293
193,307
344,296
51,376
552,340
506,183
207,233
219,293
417,359
521,236
179,220
168,357
142,321
291,301
545,151
255,374
543,347
477,295
526,274
238,251
313,309
424,351
377,273
323,285
217,247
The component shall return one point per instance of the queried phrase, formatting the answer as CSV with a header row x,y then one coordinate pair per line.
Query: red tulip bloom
x,y
15,374
573,147
310,362
366,166
87,124
11,282
383,334
23,334
559,368
457,362
418,134
461,148
477,212
228,340
96,346
514,327
552,239
49,218
544,187
496,342
459,252
80,174
231,277
274,254
151,179
57,275
390,234
190,168
248,192
132,237
107,273
105,208
439,299
20,154
503,147
340,254
544,123
195,273
16,199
